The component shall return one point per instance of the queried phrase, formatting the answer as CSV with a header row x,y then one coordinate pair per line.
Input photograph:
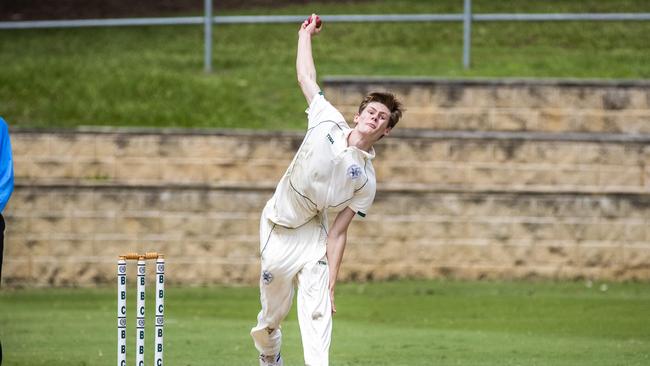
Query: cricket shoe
x,y
272,360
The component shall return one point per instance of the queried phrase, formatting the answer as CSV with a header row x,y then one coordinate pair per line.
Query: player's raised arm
x,y
305,69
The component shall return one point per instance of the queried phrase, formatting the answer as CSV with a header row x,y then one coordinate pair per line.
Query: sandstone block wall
x,y
404,161
467,204
509,105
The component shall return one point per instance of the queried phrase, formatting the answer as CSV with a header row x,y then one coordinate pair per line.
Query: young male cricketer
x,y
331,170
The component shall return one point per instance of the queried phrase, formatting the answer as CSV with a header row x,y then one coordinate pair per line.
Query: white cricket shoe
x,y
272,360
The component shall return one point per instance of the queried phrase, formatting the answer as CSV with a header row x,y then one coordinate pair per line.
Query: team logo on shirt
x,y
267,277
354,171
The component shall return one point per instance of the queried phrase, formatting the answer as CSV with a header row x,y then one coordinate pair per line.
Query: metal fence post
x,y
207,62
467,33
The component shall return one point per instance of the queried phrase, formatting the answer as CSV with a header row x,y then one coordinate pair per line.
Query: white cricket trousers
x,y
294,258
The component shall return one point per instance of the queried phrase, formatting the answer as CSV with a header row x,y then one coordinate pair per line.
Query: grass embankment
x,y
152,76
396,323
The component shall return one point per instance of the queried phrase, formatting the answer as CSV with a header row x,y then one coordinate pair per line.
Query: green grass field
x,y
393,323
152,76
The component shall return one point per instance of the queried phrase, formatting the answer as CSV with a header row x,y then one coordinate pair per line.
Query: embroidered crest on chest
x,y
354,171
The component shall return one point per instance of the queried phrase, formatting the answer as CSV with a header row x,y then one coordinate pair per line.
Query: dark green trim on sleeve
x,y
361,214
321,93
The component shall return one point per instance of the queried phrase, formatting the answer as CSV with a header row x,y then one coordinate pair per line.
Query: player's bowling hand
x,y
311,25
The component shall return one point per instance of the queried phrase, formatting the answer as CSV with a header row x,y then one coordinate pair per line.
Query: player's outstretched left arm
x,y
305,69
336,240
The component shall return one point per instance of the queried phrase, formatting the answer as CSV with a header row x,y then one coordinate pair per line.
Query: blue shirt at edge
x,y
6,166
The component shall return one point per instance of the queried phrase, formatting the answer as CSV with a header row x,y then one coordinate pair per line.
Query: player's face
x,y
373,121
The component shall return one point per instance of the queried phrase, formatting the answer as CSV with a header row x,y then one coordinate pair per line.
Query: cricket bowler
x,y
332,170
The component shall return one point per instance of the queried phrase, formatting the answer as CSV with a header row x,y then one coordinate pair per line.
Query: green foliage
x,y
152,76
393,323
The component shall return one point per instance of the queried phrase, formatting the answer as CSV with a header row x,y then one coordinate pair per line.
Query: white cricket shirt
x,y
325,173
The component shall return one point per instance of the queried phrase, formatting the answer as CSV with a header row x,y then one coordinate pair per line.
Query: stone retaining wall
x,y
459,161
70,235
508,104
465,204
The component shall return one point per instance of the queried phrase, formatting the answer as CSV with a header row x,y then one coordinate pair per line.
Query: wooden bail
x,y
145,256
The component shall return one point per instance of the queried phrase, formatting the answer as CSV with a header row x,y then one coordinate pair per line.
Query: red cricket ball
x,y
318,21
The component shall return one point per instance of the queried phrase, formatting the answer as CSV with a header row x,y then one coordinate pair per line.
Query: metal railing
x,y
467,18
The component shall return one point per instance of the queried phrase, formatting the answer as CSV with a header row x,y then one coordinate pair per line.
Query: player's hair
x,y
387,99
